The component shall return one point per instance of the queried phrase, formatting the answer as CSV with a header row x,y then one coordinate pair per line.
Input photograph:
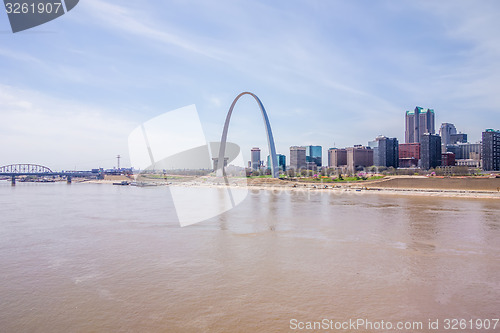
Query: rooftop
x,y
420,110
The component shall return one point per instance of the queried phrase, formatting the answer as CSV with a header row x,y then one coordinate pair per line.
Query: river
x,y
102,258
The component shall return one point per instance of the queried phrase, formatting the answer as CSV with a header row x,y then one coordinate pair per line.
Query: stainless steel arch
x,y
270,139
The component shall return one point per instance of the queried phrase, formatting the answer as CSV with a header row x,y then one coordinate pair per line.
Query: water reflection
x,y
116,258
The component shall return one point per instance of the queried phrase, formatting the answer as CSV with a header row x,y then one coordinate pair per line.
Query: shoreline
x,y
391,185
359,190
460,187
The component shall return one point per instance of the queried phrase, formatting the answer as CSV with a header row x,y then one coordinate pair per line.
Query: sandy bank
x,y
397,185
433,183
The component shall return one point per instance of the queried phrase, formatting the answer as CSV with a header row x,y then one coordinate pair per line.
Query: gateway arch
x,y
270,139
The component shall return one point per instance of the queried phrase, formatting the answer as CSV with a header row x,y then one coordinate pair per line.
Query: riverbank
x,y
466,187
472,187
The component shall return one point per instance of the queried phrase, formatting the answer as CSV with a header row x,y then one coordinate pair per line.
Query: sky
x,y
329,73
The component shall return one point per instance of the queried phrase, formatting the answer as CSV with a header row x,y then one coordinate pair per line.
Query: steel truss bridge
x,y
25,169
15,170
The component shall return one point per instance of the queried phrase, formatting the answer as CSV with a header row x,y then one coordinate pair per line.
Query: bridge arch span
x,y
25,168
270,139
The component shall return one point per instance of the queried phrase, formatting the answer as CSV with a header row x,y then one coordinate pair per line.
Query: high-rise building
x,y
455,149
446,131
449,137
281,162
337,157
491,150
216,161
359,157
419,122
314,154
374,146
463,151
466,149
255,158
297,157
385,151
430,152
458,138
409,154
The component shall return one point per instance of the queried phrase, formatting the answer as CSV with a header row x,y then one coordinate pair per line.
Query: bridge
x,y
26,169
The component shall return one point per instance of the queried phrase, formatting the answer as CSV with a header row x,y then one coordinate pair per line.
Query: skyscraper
x,y
419,122
337,157
458,138
491,150
281,162
430,154
386,152
359,157
463,151
314,154
374,146
255,158
446,131
297,157
466,149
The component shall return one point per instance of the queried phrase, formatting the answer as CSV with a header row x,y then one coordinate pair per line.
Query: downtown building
x,y
491,150
448,159
465,150
350,159
297,157
409,155
430,151
337,157
314,155
446,131
385,151
359,157
281,162
466,154
458,138
418,122
449,136
255,159
215,162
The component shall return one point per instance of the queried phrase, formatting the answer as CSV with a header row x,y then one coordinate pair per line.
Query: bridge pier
x,y
68,179
13,181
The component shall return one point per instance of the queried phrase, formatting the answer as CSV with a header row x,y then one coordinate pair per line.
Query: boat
x,y
143,184
123,183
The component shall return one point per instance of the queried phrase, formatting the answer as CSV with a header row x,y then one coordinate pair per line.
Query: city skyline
x,y
329,73
451,141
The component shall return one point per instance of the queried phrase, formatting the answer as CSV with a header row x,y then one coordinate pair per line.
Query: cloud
x,y
352,69
20,56
61,134
137,23
275,51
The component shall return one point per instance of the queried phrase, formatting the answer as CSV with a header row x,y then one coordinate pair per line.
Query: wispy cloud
x,y
351,68
134,22
20,56
42,129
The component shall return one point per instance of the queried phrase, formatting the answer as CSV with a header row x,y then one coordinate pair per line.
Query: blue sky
x,y
330,73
